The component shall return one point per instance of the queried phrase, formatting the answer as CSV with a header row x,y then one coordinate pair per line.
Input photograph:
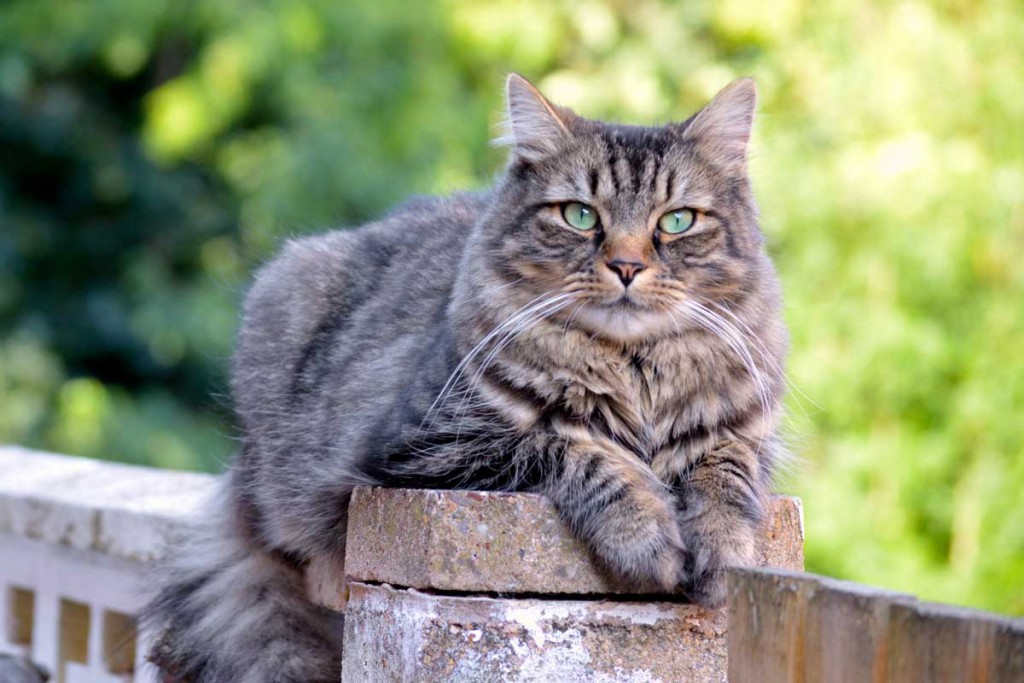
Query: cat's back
x,y
348,290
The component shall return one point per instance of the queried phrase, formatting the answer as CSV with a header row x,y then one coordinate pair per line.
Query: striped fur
x,y
478,341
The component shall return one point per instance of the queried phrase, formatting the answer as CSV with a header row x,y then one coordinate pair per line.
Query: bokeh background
x,y
153,152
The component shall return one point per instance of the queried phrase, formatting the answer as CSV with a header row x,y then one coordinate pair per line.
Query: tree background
x,y
153,152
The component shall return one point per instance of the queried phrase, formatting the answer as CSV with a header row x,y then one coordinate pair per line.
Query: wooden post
x,y
801,628
767,611
940,642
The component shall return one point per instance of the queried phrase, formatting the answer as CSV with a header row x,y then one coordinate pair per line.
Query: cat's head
x,y
625,228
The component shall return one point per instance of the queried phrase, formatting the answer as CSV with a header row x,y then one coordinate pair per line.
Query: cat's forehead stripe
x,y
636,158
631,168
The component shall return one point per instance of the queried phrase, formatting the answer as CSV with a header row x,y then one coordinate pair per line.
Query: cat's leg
x,y
615,503
720,500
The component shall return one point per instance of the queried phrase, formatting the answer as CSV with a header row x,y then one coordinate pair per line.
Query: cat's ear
x,y
533,127
722,128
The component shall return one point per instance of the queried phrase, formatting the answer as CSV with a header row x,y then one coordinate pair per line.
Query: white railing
x,y
76,536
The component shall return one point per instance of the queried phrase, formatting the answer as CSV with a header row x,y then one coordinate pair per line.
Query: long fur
x,y
480,341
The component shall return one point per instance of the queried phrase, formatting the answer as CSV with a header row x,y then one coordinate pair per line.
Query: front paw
x,y
641,543
709,552
658,566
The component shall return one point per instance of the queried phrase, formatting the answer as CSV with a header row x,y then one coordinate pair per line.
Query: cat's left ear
x,y
534,127
722,128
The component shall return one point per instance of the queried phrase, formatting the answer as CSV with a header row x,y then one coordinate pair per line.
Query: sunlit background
x,y
153,152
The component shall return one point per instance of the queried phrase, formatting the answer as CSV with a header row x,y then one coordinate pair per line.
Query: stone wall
x,y
470,586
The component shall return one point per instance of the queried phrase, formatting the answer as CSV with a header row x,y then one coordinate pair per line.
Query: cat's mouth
x,y
626,318
628,301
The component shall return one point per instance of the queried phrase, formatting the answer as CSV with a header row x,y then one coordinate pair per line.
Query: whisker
x,y
505,341
724,330
460,368
572,317
522,314
765,355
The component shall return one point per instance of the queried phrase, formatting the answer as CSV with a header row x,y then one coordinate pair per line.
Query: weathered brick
x,y
500,542
523,598
405,635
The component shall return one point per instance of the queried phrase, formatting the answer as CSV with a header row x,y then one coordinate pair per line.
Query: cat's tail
x,y
228,611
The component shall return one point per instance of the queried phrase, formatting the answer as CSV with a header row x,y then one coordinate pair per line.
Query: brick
x,y
500,542
397,635
522,599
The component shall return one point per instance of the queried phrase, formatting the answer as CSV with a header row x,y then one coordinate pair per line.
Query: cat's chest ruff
x,y
629,397
650,400
644,399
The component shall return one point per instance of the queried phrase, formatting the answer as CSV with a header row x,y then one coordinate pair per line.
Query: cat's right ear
x,y
723,126
533,127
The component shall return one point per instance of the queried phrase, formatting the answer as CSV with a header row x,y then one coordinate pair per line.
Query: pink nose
x,y
626,270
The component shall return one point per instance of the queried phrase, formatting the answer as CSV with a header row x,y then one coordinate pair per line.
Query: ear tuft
x,y
723,126
534,127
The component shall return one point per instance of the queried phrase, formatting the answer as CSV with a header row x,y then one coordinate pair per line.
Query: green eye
x,y
676,222
579,216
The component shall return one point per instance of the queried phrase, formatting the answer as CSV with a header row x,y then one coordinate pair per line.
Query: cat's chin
x,y
627,324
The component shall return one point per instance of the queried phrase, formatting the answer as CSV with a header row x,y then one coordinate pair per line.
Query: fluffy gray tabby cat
x,y
602,327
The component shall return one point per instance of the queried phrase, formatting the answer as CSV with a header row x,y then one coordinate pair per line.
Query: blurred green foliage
x,y
152,152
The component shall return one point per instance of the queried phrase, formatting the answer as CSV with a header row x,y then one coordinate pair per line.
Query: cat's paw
x,y
708,555
658,570
645,549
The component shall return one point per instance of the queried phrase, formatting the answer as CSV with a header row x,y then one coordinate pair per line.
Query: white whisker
x,y
527,310
540,312
768,358
737,343
460,368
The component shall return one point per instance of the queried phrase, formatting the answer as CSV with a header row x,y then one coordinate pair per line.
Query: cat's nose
x,y
626,270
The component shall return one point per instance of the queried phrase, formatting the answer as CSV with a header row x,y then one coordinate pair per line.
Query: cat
x,y
602,327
